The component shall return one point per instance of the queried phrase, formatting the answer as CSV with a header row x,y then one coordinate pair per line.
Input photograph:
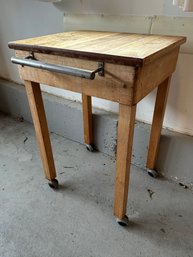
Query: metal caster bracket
x,y
53,184
123,222
90,148
152,173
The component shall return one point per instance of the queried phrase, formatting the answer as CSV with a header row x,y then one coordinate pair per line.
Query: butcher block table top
x,y
124,67
122,48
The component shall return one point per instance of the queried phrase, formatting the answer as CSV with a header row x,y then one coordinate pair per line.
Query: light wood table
x,y
125,68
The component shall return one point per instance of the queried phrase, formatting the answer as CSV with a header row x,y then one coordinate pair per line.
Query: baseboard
x,y
65,118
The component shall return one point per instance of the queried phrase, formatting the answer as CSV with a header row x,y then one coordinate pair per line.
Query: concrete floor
x,y
77,220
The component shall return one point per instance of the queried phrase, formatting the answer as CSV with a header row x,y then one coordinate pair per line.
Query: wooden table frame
x,y
122,83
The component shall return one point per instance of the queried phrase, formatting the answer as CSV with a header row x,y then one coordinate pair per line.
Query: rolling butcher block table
x,y
120,67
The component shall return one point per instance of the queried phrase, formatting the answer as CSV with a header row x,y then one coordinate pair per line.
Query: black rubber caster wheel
x,y
53,184
152,173
90,148
123,222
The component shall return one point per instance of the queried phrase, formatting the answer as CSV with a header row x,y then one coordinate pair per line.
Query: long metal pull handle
x,y
86,74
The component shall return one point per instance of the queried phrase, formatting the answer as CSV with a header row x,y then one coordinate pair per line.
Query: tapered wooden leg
x,y
39,118
87,118
124,148
157,123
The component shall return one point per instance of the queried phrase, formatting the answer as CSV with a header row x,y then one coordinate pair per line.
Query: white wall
x,y
131,7
26,18
22,19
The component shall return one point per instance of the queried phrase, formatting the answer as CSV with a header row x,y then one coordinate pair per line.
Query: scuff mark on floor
x,y
150,193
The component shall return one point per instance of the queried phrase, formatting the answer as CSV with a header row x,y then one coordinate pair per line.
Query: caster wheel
x,y
123,222
53,184
152,173
90,148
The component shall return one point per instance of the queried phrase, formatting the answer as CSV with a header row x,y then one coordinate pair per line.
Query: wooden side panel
x,y
116,85
154,73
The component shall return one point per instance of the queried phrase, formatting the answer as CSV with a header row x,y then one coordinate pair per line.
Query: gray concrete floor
x,y
77,220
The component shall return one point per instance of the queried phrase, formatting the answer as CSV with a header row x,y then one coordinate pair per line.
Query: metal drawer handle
x,y
86,74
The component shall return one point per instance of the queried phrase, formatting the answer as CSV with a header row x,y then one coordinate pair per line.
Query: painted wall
x,y
28,18
23,19
129,7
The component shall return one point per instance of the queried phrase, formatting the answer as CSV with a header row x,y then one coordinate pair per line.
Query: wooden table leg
x,y
124,150
87,120
157,123
39,118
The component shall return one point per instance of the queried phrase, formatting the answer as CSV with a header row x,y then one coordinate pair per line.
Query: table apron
x,y
123,84
116,85
153,74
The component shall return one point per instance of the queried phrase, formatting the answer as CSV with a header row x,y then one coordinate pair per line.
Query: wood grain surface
x,y
114,47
